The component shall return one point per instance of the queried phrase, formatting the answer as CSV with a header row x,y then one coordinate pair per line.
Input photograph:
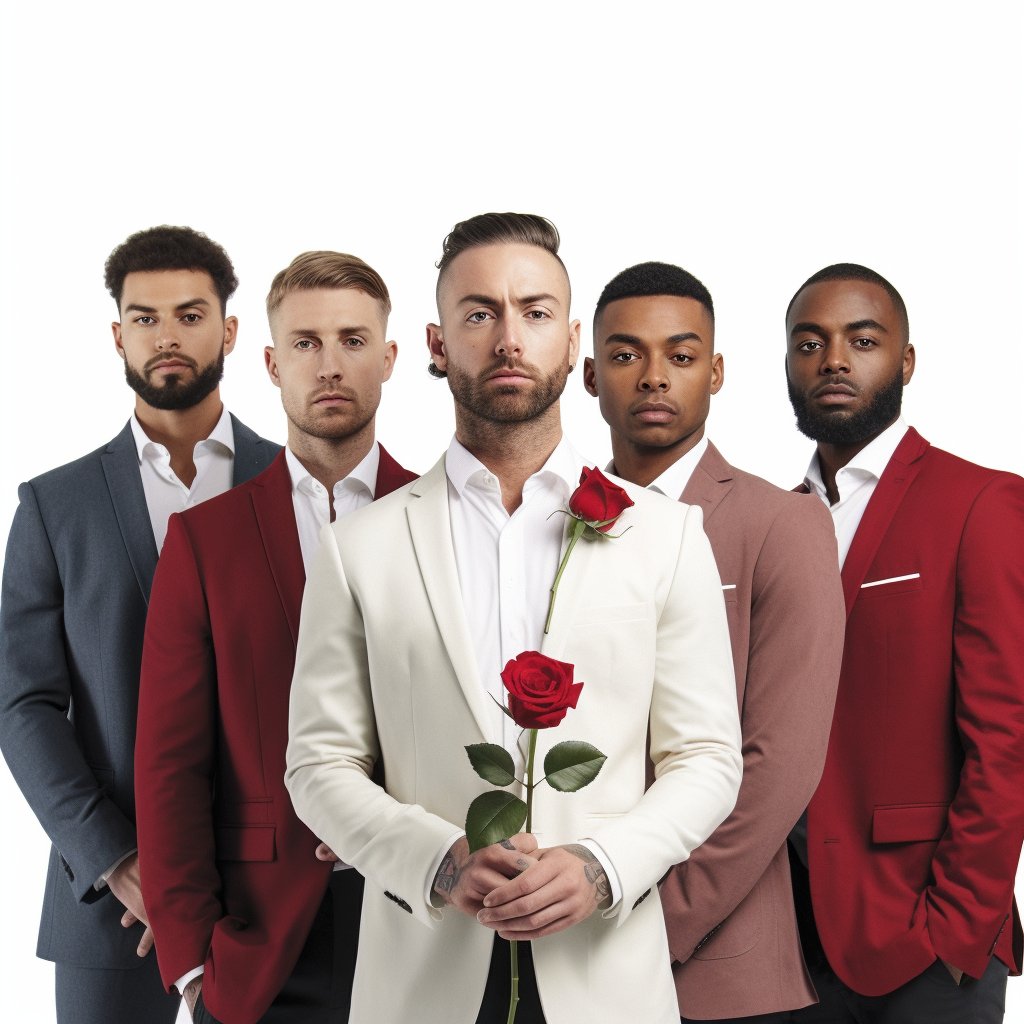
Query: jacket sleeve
x,y
175,751
694,726
332,747
38,739
797,627
976,859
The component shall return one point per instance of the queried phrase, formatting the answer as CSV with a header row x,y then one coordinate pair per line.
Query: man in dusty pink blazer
x,y
729,909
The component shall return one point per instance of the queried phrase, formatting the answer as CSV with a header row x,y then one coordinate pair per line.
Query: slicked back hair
x,y
857,272
170,248
317,269
655,279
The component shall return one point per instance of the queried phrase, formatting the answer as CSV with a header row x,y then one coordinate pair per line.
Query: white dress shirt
x,y
312,513
506,565
214,460
673,481
856,482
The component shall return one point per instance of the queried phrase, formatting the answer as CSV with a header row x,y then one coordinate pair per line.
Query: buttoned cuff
x,y
428,894
609,869
101,882
186,978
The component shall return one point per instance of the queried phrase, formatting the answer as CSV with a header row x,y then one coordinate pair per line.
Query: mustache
x,y
333,389
516,365
814,392
151,364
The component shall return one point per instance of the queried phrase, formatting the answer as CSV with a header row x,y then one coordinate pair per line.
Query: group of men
x,y
237,681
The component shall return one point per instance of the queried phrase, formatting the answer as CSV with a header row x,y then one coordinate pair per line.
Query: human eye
x,y
863,342
480,316
304,344
808,346
355,342
191,318
682,357
624,357
145,320
537,314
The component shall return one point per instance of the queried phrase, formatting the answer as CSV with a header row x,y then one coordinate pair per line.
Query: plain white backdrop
x,y
752,143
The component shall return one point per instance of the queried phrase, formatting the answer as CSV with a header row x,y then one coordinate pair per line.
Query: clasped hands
x,y
520,891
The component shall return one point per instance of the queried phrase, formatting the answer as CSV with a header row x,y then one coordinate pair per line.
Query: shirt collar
x,y
673,481
363,476
869,461
223,433
564,464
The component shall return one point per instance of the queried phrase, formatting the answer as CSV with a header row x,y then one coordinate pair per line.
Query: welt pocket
x,y
890,586
611,614
246,842
909,823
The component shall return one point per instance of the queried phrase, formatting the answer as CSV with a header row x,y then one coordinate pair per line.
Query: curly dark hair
x,y
655,279
170,248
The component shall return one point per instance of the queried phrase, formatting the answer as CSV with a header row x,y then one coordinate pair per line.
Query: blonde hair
x,y
325,269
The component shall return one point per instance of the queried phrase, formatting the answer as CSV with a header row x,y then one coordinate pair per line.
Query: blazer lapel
x,y
271,495
709,483
251,453
893,484
390,475
124,482
572,586
430,527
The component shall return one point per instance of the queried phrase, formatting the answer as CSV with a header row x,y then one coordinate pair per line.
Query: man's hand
x,y
465,878
191,994
324,852
565,886
125,885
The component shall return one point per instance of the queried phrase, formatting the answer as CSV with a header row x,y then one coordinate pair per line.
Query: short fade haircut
x,y
857,272
170,248
495,229
653,278
321,268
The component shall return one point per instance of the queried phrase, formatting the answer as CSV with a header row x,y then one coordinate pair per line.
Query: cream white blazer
x,y
385,667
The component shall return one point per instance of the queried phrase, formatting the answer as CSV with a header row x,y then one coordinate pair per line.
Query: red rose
x,y
598,500
540,690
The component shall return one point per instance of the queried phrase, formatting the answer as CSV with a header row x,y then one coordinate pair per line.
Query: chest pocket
x,y
611,614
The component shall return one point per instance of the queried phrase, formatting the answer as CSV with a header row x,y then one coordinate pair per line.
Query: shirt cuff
x,y
432,873
186,978
609,869
101,882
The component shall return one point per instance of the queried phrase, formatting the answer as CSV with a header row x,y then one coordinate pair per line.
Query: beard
x,y
178,390
507,404
331,425
841,429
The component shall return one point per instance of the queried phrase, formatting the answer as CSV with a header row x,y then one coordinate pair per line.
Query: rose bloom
x,y
598,500
540,690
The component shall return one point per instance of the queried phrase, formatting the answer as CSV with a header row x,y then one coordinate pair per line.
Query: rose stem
x,y
513,945
577,531
513,1002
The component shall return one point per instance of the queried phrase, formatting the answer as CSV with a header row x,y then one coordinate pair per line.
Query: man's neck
x,y
180,430
330,459
642,464
513,452
833,457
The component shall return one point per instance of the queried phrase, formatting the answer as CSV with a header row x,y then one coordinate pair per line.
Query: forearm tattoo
x,y
447,877
592,871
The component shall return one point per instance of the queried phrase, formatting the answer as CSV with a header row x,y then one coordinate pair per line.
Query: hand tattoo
x,y
593,871
507,844
447,877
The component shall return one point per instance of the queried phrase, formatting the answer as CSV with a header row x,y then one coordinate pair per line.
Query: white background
x,y
752,143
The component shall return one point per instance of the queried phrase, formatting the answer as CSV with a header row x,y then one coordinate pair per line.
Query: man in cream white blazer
x,y
408,616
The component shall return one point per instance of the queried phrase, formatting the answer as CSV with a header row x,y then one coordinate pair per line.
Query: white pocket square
x,y
891,579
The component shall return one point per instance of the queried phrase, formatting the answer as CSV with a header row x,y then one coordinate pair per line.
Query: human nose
x,y
835,357
509,344
166,337
330,364
654,377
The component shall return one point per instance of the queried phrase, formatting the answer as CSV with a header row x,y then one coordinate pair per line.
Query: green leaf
x,y
492,817
572,764
492,763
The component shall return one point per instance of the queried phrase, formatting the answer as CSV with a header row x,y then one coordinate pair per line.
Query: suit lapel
x,y
390,475
709,483
271,495
571,587
893,485
251,455
124,482
430,527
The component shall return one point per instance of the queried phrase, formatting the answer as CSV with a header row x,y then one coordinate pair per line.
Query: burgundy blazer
x,y
732,927
230,877
916,827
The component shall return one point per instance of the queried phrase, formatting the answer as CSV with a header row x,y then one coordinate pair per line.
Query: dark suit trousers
x,y
319,989
91,995
498,993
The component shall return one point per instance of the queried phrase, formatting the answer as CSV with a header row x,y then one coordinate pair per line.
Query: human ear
x,y
590,376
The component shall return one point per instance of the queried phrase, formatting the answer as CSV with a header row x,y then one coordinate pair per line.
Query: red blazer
x,y
230,879
916,827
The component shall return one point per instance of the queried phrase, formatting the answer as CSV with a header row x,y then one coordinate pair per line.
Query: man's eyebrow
x,y
483,300
631,339
528,300
134,307
861,325
190,303
687,336
809,327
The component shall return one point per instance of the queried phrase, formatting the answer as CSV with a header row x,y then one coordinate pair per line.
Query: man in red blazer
x,y
251,922
908,851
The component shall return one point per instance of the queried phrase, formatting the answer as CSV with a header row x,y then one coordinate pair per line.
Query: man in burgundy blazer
x,y
913,835
729,909
248,917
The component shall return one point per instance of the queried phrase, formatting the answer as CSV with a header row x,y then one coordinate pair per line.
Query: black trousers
x,y
319,989
87,995
498,993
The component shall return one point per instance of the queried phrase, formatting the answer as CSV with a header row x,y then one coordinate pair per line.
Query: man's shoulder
x,y
941,468
67,481
767,501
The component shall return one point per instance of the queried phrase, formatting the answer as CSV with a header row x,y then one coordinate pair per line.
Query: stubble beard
x,y
844,429
506,405
331,427
178,391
